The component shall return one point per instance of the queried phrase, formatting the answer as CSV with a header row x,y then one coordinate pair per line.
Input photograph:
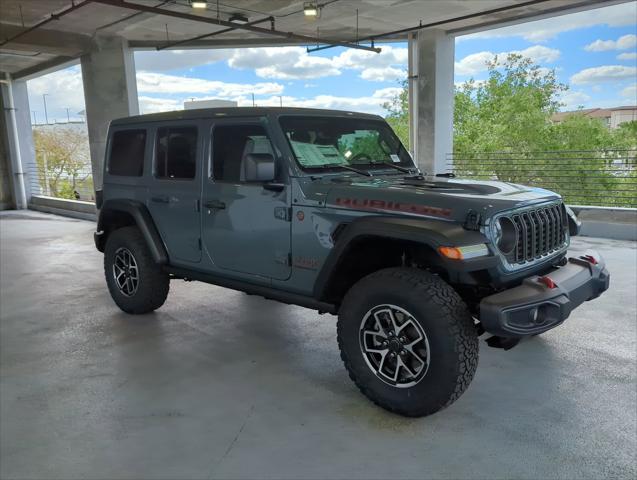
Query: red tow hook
x,y
590,259
548,281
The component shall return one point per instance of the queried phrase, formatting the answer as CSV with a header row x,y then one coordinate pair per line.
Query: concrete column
x,y
18,151
110,91
7,195
431,88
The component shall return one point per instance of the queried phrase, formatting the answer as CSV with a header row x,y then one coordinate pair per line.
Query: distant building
x,y
208,104
612,117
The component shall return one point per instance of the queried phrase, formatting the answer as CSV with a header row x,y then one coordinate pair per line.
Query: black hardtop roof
x,y
236,112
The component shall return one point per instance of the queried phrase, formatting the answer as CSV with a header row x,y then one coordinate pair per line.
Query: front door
x,y
246,227
175,190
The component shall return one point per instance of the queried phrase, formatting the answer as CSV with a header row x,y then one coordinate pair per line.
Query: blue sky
x,y
593,52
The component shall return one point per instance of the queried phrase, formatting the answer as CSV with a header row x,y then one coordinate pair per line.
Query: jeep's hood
x,y
429,196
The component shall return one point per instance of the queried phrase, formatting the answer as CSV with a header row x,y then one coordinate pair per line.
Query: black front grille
x,y
540,231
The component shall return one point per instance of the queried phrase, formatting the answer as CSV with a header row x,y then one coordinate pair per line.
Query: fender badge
x,y
300,215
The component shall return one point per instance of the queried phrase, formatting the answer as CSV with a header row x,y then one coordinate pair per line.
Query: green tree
x,y
398,114
63,160
503,130
509,111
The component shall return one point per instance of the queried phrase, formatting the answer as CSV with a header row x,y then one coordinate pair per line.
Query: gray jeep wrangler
x,y
326,209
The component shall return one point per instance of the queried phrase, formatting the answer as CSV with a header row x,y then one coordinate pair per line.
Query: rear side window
x,y
127,153
176,153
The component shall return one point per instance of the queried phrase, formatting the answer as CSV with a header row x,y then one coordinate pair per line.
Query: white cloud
x,y
361,59
622,43
286,63
386,74
167,60
369,104
620,15
474,63
627,56
606,73
388,65
154,105
148,82
574,99
64,90
477,62
630,92
282,63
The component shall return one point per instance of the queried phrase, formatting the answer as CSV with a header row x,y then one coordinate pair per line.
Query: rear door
x,y
246,227
176,187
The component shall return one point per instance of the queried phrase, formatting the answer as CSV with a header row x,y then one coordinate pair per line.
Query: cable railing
x,y
583,177
595,178
70,180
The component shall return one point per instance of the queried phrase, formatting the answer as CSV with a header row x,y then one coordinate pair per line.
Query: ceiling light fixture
x,y
198,3
238,18
311,9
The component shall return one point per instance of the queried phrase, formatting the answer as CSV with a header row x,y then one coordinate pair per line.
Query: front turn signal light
x,y
464,253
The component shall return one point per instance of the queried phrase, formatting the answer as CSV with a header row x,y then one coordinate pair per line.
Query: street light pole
x,y
46,115
68,117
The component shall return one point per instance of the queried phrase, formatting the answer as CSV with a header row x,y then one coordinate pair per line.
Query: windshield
x,y
332,142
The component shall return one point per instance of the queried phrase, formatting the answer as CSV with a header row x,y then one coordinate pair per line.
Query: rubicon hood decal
x,y
391,206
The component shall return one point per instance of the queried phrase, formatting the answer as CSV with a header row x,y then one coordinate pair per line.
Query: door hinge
x,y
283,213
198,205
199,243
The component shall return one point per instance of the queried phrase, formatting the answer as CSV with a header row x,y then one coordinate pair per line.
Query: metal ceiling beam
x,y
439,23
224,23
218,32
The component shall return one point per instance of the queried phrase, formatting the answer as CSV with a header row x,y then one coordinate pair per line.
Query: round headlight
x,y
505,235
497,231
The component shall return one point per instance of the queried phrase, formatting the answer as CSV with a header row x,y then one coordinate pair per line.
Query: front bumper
x,y
544,302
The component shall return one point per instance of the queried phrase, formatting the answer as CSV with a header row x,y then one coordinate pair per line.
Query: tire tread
x,y
157,282
459,325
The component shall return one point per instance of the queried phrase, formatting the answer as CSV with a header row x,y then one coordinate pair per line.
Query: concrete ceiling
x,y
67,37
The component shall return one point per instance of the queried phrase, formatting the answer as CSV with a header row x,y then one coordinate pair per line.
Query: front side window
x,y
324,142
234,147
176,153
127,153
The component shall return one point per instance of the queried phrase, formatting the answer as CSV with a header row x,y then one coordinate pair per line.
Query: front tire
x,y
136,283
408,341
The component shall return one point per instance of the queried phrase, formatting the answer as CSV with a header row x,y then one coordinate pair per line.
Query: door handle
x,y
161,199
214,205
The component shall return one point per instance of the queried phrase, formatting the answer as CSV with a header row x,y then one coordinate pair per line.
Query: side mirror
x,y
258,168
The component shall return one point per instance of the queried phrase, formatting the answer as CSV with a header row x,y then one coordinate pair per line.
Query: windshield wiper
x,y
389,164
347,167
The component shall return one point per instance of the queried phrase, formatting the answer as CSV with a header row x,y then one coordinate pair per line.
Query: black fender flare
x,y
432,233
143,220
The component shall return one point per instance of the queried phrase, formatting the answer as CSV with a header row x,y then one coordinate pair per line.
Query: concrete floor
x,y
217,384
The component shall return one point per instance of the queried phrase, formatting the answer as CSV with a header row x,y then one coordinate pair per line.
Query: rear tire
x,y
430,358
136,283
